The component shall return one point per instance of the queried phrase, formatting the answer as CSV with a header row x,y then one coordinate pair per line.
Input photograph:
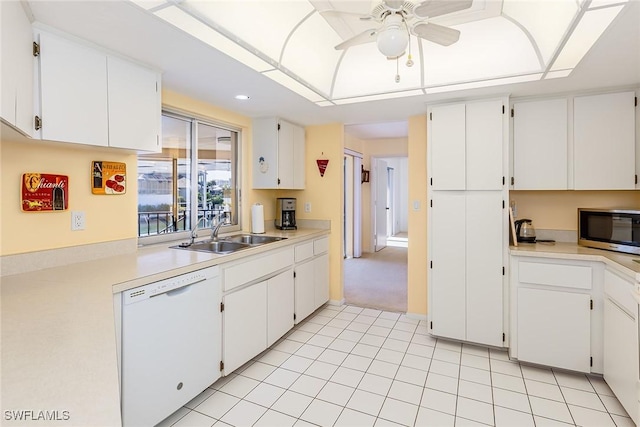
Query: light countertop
x,y
58,331
623,263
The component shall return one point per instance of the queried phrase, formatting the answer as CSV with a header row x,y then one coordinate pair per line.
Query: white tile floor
x,y
348,366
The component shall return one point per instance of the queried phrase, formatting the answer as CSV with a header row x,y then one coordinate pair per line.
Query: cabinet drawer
x,y
256,268
321,246
568,276
619,290
304,251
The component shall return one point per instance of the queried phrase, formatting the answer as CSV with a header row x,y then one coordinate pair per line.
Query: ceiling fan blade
x,y
394,4
344,14
364,37
442,35
433,8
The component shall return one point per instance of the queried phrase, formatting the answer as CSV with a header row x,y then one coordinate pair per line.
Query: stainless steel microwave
x,y
612,229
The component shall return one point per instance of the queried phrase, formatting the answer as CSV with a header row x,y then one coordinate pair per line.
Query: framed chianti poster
x,y
44,192
108,177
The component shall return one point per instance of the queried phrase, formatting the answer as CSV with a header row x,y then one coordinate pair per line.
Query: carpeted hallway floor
x,y
377,280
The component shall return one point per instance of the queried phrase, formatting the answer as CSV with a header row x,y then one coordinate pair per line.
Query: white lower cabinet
x,y
257,305
244,325
255,317
311,277
554,329
321,282
621,352
556,313
280,302
304,290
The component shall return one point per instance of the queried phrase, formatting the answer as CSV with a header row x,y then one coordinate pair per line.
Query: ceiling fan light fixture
x,y
393,39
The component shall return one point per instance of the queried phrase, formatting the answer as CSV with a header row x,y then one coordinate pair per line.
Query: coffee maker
x,y
286,214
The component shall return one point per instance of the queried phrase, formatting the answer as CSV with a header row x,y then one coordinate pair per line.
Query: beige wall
x,y
417,253
557,210
326,194
108,218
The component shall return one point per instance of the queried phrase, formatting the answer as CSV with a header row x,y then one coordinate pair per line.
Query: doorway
x,y
378,278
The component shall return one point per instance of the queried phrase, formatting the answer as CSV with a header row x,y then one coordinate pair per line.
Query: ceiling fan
x,y
398,19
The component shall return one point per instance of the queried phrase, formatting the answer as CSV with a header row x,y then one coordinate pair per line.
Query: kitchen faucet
x,y
194,231
214,230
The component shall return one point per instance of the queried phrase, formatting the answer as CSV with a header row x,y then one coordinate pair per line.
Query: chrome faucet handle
x,y
216,228
194,231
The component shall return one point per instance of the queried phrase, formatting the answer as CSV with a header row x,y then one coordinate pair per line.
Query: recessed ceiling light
x,y
242,97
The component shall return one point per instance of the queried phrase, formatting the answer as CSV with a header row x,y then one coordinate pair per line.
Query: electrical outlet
x,y
416,205
514,209
307,207
77,220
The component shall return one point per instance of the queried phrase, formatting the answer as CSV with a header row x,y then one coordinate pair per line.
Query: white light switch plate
x,y
77,220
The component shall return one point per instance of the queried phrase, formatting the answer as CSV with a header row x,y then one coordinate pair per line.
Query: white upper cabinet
x,y
448,140
467,146
604,141
484,153
16,37
134,105
540,145
278,154
73,92
89,97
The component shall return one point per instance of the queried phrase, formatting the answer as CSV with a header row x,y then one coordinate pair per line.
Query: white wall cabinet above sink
x,y
87,96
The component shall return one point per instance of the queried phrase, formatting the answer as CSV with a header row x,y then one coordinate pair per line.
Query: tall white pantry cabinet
x,y
468,219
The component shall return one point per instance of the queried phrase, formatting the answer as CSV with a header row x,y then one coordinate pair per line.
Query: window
x,y
193,182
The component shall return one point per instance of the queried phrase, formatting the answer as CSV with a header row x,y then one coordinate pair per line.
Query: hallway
x,y
377,280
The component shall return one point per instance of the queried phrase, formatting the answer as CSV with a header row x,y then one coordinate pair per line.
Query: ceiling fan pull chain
x,y
398,69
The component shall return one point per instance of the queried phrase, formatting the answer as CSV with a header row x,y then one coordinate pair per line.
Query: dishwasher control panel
x,y
157,288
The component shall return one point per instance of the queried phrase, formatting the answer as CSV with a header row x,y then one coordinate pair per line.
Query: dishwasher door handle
x,y
178,291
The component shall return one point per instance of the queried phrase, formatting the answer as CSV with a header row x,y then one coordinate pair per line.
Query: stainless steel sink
x,y
217,247
252,239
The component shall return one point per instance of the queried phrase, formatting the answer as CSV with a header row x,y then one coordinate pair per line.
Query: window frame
x,y
194,119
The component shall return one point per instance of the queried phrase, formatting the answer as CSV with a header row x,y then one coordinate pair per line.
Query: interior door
x,y
381,206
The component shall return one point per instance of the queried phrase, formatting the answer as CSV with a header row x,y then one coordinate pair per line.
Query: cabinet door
x,y
265,153
540,145
447,140
484,263
621,356
280,306
448,276
304,290
604,142
73,92
554,328
134,106
244,325
286,147
321,268
299,165
484,141
16,74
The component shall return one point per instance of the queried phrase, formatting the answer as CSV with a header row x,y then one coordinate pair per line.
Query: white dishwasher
x,y
171,344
